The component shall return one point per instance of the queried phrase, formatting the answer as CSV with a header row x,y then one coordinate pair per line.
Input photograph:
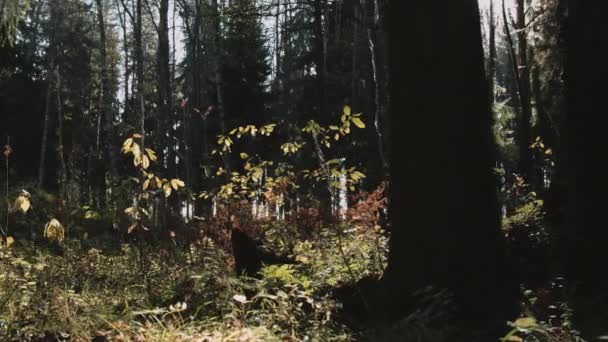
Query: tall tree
x,y
521,73
584,132
448,151
492,51
105,104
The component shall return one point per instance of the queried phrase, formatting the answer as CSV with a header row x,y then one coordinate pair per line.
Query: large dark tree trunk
x,y
587,184
445,221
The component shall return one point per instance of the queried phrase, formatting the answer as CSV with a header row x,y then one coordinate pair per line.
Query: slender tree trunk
x,y
122,16
525,161
139,56
545,131
320,59
355,53
377,95
492,54
48,102
105,109
171,164
45,134
164,100
522,81
63,184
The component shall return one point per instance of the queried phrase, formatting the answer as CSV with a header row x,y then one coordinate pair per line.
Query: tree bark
x,y
492,53
587,185
447,144
105,104
48,100
320,59
525,160
165,105
522,80
379,110
63,186
139,58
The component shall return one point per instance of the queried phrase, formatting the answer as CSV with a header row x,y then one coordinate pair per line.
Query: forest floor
x,y
75,292
100,285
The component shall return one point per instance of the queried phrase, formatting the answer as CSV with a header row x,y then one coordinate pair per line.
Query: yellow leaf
x,y
347,110
9,241
126,146
91,215
22,203
159,183
525,322
136,135
177,183
151,154
131,227
302,259
137,160
54,231
145,162
167,189
358,122
244,155
146,184
129,210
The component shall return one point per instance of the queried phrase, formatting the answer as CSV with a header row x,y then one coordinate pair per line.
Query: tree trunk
x,y
447,147
164,96
355,53
522,80
584,131
377,94
219,84
105,108
492,54
319,56
63,186
48,101
122,16
525,155
45,132
139,57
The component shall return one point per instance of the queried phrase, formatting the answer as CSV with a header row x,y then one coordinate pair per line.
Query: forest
x,y
303,170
